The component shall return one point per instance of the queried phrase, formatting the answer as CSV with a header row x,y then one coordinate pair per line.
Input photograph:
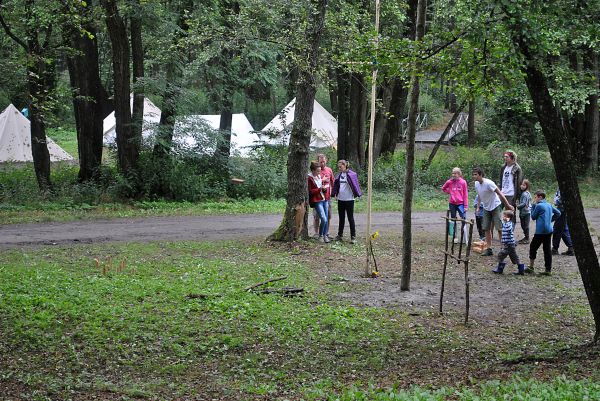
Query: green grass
x,y
66,139
175,321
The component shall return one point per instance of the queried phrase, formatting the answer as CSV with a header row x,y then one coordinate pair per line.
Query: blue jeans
x,y
561,231
457,208
322,210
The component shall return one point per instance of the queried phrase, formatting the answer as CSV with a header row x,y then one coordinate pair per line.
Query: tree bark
x,y
357,120
393,127
410,156
294,221
563,159
343,118
90,100
381,119
128,146
137,61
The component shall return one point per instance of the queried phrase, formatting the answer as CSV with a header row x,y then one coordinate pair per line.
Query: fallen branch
x,y
264,282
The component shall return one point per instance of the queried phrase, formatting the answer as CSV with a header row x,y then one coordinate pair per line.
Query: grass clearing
x,y
174,321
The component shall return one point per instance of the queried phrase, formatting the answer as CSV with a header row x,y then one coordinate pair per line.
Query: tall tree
x,y
36,38
410,155
90,100
128,145
294,221
530,40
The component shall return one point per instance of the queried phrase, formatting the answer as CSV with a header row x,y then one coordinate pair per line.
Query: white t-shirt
x,y
487,194
345,193
508,181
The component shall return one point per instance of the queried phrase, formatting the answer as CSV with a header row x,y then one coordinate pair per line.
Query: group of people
x,y
323,185
496,206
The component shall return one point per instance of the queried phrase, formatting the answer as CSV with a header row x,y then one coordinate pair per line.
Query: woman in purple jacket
x,y
345,189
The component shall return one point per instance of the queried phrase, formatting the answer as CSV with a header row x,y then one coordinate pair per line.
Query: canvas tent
x,y
324,126
242,132
151,120
15,139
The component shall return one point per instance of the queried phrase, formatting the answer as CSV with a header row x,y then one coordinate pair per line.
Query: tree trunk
x,y
393,127
592,116
381,119
563,160
137,59
343,92
471,124
333,92
90,100
410,156
128,146
294,221
356,131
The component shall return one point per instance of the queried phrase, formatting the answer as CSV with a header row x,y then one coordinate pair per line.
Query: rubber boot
x,y
499,269
521,270
451,229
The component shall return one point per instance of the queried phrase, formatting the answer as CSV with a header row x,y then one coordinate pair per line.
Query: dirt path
x,y
199,228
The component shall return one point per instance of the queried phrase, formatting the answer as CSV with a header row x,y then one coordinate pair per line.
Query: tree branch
x,y
10,34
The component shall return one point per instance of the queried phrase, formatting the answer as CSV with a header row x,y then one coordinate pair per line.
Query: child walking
x,y
456,187
509,246
524,206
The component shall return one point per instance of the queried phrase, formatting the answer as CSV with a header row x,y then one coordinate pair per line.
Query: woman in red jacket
x,y
318,198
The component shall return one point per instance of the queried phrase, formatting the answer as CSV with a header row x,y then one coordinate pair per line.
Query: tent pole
x,y
368,271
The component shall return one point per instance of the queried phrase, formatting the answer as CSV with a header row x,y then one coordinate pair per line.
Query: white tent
x,y
15,139
242,132
151,120
324,126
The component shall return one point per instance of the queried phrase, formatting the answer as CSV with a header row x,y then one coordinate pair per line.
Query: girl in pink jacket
x,y
456,186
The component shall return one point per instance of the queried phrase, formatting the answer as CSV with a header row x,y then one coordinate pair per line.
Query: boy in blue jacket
x,y
543,214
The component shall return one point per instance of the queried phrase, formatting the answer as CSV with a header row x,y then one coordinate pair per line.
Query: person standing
x,y
327,177
491,199
524,207
318,198
346,188
458,201
543,214
511,178
561,229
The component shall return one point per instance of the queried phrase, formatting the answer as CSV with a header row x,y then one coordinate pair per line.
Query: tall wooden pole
x,y
368,271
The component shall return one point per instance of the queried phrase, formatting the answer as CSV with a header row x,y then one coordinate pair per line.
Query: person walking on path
x,y
524,207
318,198
458,201
511,178
509,246
345,189
543,214
327,177
491,199
561,229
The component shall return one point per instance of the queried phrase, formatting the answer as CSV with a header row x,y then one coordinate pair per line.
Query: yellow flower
x,y
375,235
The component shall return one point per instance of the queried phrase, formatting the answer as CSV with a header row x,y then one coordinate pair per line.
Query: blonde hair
x,y
458,170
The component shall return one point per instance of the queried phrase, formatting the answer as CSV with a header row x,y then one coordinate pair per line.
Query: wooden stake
x,y
368,269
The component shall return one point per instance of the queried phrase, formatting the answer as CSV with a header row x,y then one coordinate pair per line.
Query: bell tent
x,y
15,139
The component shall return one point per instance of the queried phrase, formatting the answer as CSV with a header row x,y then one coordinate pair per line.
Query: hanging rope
x,y
369,272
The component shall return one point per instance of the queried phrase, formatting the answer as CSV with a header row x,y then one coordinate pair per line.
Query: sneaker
x,y
330,237
321,239
488,252
568,252
339,238
326,239
524,241
554,251
353,240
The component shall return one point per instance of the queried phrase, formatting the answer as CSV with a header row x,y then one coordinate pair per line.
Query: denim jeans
x,y
322,209
457,208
